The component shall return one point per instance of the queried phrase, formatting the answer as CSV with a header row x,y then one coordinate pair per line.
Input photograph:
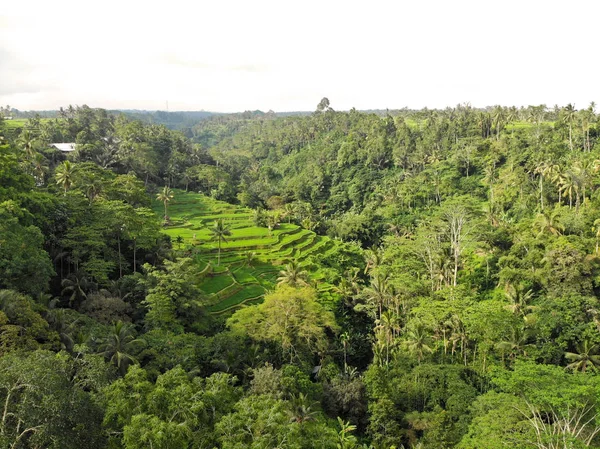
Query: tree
x,y
378,293
570,184
290,317
499,118
516,344
28,143
119,345
417,341
174,412
301,410
164,197
558,430
569,115
77,285
558,409
545,170
549,223
24,265
293,275
174,302
456,218
585,357
345,438
22,328
65,175
218,232
323,105
43,406
249,259
519,299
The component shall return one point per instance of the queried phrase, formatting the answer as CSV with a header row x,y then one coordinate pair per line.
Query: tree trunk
x,y
120,262
570,137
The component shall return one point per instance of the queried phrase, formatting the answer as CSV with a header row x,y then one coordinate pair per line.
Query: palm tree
x,y
93,188
293,275
272,221
219,231
498,117
585,357
490,177
548,222
345,438
543,170
179,241
597,229
569,114
417,341
458,336
348,287
39,167
64,175
119,345
301,410
307,223
378,293
289,211
59,321
388,327
249,258
28,143
373,259
345,339
569,184
77,285
516,344
164,197
519,299
584,169
586,116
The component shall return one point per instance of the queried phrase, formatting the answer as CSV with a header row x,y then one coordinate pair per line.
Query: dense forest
x,y
456,304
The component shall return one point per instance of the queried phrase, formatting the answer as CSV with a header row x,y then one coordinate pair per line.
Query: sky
x,y
284,55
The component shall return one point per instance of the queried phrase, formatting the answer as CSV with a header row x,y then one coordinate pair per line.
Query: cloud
x,y
22,77
268,54
189,62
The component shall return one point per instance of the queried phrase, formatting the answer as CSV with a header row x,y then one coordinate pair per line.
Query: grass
x,y
244,276
214,284
251,292
14,124
19,123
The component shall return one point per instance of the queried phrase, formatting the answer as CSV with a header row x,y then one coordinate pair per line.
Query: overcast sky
x,y
286,55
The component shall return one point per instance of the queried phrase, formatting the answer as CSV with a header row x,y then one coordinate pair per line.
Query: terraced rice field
x,y
238,280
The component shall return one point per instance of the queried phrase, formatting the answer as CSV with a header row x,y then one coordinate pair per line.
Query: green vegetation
x,y
190,228
329,280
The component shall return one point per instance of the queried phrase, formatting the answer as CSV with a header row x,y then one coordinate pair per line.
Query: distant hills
x,y
176,120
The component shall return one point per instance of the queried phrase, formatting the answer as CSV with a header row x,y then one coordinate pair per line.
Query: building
x,y
64,147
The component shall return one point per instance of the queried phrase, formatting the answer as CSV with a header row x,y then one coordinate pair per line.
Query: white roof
x,y
67,147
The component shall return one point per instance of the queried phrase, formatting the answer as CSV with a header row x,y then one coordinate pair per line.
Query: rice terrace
x,y
251,257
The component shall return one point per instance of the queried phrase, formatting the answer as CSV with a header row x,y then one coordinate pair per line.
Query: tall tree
x,y
293,275
65,175
569,116
219,231
165,196
119,346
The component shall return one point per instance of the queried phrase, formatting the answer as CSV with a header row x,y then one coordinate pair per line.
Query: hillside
x,y
250,258
422,279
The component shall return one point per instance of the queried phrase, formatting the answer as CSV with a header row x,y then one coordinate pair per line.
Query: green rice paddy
x,y
238,280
